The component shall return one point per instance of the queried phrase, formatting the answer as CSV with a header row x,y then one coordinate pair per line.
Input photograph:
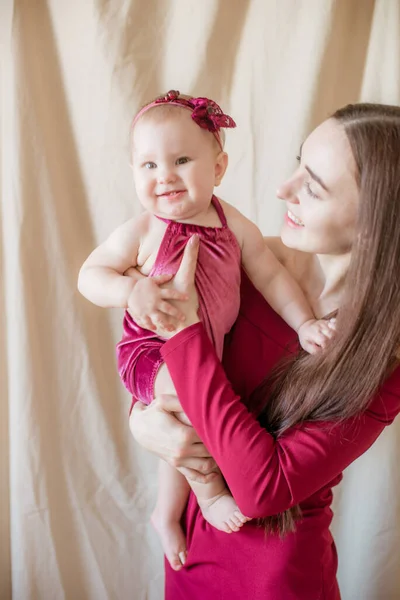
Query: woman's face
x,y
322,195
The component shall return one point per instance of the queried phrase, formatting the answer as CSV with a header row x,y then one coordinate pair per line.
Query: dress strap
x,y
220,211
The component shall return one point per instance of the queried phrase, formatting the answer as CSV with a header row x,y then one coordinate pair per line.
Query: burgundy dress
x,y
265,476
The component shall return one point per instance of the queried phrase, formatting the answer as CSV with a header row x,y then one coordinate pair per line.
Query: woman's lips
x,y
293,221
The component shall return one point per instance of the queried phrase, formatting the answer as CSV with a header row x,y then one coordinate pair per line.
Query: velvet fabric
x,y
218,287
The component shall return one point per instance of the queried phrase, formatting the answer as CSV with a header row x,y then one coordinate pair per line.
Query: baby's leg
x,y
173,491
172,495
216,503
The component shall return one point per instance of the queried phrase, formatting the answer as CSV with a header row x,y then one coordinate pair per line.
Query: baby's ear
x,y
221,164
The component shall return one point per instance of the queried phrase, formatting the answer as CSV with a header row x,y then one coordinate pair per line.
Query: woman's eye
x,y
298,158
150,165
182,160
309,190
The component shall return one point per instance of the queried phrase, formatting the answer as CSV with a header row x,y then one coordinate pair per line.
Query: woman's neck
x,y
320,276
323,282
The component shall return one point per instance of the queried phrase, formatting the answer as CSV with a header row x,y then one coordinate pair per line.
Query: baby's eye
x,y
182,160
150,165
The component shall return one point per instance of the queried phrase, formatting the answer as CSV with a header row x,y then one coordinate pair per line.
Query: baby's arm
x,y
102,278
276,284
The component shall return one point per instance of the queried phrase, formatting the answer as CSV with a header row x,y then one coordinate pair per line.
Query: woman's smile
x,y
292,220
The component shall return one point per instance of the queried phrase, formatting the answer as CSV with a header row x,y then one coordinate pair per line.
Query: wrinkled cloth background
x,y
76,491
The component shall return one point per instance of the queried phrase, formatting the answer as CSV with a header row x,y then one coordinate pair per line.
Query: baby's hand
x,y
148,303
314,335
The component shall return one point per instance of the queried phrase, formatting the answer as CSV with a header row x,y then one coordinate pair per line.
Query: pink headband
x,y
205,112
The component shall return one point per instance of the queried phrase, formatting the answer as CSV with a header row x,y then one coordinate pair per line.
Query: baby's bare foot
x,y
223,513
172,540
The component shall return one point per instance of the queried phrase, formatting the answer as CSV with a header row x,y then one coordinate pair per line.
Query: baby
x,y
178,159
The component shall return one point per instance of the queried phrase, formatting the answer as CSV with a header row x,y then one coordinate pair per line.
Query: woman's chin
x,y
292,238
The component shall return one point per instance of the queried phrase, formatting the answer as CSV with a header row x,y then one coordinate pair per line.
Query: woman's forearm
x,y
266,476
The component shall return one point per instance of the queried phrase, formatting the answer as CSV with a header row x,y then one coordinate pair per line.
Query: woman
x,y
282,425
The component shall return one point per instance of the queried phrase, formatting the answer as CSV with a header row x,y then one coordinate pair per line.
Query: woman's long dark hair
x,y
339,383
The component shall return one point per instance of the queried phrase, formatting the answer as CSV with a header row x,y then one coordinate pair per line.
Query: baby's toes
x,y
233,524
241,517
236,519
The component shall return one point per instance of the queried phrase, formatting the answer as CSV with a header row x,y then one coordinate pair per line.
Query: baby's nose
x,y
166,176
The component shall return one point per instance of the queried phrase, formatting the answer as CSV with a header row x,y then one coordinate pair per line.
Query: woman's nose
x,y
288,191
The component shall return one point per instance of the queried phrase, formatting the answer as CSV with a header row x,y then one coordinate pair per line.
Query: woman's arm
x,y
266,476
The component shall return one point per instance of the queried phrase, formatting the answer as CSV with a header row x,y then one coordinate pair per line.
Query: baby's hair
x,y
164,110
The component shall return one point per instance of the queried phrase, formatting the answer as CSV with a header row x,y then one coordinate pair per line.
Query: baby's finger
x,y
149,324
318,338
311,348
158,318
145,323
160,279
168,309
326,331
161,321
170,294
332,324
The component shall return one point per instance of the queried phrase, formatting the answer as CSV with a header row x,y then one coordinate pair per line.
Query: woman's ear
x,y
221,164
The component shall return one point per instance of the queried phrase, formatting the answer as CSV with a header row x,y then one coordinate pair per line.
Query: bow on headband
x,y
205,112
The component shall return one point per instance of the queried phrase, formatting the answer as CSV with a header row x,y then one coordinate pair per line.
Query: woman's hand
x,y
183,283
157,429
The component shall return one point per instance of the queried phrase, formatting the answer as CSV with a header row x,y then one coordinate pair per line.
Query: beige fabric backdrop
x,y
76,492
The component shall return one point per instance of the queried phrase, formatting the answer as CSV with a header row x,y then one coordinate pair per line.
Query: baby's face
x,y
176,165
